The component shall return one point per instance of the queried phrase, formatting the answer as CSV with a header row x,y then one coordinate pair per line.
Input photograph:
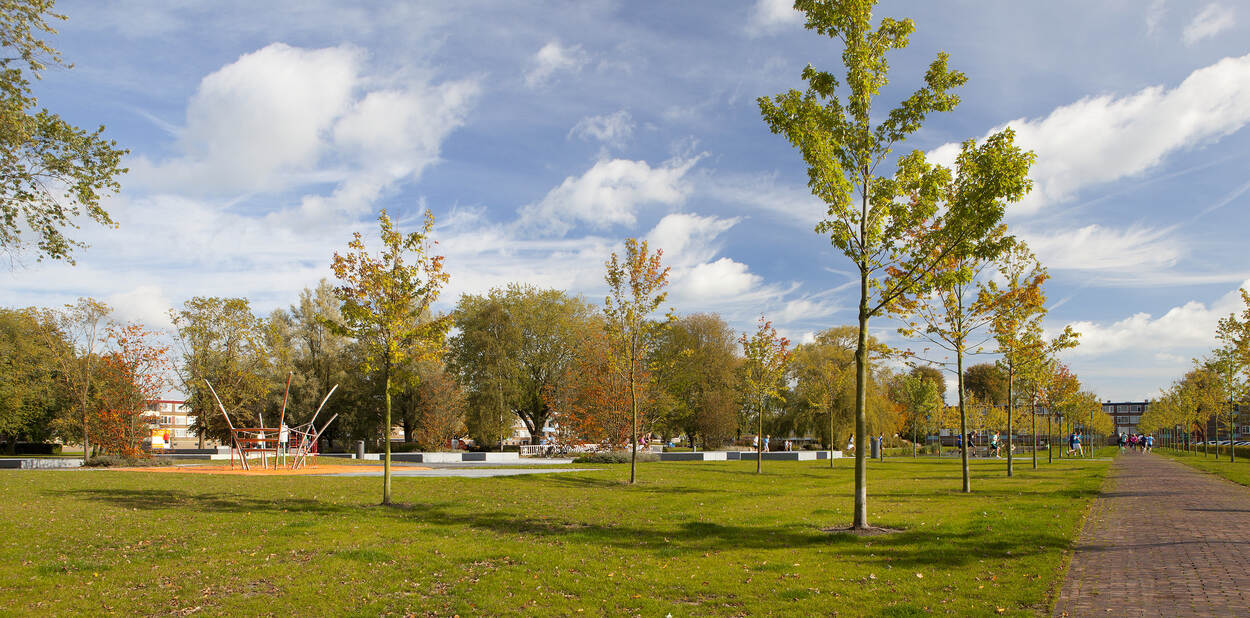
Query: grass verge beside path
x,y
689,538
1237,472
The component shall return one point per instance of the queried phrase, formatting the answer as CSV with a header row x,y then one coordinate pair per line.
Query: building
x,y
1126,415
173,420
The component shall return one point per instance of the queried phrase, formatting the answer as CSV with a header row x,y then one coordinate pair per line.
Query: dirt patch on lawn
x,y
258,471
865,531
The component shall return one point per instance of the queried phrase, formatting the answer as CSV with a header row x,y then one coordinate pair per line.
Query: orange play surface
x,y
258,471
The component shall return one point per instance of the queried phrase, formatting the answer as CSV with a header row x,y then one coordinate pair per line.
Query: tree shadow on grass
x,y
164,499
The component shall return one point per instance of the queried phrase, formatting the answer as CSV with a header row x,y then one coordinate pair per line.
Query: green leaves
x,y
50,171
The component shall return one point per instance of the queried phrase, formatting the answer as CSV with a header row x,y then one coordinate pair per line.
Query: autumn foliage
x,y
131,374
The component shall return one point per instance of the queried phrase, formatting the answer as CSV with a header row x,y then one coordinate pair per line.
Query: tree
x,y
432,407
51,172
223,342
593,399
1019,304
386,307
30,381
695,362
988,382
132,373
898,233
512,346
763,376
321,357
635,287
81,325
1056,386
921,399
1231,361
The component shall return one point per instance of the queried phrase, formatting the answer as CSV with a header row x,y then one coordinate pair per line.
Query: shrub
x,y
113,461
613,457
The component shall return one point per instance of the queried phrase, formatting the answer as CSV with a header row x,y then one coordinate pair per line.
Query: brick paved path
x,y
1162,540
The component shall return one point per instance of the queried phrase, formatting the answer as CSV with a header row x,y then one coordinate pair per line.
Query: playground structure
x,y
289,446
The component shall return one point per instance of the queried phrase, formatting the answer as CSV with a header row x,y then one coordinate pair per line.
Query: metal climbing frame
x,y
290,447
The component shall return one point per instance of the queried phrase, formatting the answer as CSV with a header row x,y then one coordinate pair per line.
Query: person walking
x,y
767,439
994,445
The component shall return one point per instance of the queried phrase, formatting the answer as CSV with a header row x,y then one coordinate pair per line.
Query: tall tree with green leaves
x,y
635,290
695,362
30,381
512,348
1019,304
763,376
51,172
894,229
386,307
82,324
1231,361
222,341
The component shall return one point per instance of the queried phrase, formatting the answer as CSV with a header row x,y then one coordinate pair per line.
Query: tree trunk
x,y
386,442
633,405
1010,406
860,519
833,443
963,420
1050,438
1034,432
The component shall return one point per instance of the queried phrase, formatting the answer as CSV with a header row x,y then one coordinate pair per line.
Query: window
x,y
167,420
190,421
181,433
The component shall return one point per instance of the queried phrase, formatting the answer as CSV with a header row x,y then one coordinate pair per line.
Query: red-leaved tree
x,y
131,374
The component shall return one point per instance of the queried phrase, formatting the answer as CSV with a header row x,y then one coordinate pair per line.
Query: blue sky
x,y
541,134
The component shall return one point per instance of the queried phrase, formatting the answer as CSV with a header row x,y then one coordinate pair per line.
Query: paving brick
x,y
1162,540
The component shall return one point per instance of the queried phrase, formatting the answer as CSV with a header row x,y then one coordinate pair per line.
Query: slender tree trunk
x,y
963,419
1050,439
1034,432
1010,407
633,407
759,442
832,441
1232,424
860,520
386,443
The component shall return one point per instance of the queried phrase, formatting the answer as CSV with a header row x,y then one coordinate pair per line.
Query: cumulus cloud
x,y
613,129
551,59
1186,330
769,16
146,304
1214,19
258,119
1097,248
1105,138
608,194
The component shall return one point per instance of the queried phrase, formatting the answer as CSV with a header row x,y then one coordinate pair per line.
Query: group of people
x,y
1137,442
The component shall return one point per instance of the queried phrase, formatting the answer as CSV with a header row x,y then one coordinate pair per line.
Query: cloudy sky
x,y
541,134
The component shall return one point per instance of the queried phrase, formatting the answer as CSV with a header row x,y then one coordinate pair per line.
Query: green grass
x,y
689,538
1237,472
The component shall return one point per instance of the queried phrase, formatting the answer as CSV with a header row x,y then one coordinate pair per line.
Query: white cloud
x,y
608,194
1187,330
686,238
1096,248
1154,15
768,16
257,120
723,278
613,129
146,305
1213,19
1105,138
552,58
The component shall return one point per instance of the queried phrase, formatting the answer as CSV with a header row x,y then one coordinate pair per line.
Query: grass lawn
x,y
1237,472
689,538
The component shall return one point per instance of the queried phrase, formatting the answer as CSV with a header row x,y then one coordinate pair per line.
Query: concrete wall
x,y
40,463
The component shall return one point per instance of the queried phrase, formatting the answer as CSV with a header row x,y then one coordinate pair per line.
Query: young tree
x,y
1231,362
922,401
386,302
132,373
1056,386
1019,304
593,400
763,376
51,172
898,233
636,287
